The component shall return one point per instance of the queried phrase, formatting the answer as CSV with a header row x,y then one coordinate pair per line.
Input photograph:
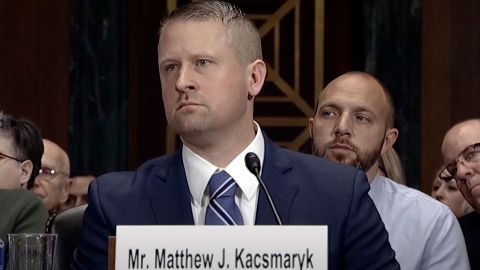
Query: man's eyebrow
x,y
166,60
329,104
339,107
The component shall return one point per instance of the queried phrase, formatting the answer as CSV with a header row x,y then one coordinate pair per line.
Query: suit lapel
x,y
275,175
169,194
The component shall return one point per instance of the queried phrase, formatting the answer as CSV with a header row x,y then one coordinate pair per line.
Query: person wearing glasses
x,y
354,124
461,156
52,185
21,150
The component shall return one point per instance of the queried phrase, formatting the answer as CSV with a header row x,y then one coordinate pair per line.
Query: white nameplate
x,y
221,247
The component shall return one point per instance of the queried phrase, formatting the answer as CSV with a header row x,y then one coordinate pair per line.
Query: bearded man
x,y
353,124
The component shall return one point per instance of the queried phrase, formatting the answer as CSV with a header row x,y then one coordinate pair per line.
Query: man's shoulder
x,y
118,184
24,205
152,166
316,174
412,197
411,215
414,205
19,196
315,163
307,164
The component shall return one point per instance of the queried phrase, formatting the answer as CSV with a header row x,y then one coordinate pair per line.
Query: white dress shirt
x,y
198,172
422,231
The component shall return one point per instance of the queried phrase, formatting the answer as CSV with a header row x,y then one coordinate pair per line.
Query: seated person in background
x,y
211,70
390,166
78,189
353,124
52,185
461,156
21,150
21,212
447,192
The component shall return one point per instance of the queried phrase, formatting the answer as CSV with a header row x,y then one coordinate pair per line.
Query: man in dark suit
x,y
210,64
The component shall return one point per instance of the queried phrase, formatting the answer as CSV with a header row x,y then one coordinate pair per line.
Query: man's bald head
x,y
58,156
353,122
52,184
461,155
367,78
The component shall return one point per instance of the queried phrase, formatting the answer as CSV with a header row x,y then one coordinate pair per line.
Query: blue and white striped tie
x,y
222,209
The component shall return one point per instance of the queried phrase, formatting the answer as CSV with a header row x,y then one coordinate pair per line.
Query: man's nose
x,y
36,183
344,125
185,80
463,171
439,193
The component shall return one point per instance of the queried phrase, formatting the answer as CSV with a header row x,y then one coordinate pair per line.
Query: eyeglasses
x,y
10,157
47,173
467,156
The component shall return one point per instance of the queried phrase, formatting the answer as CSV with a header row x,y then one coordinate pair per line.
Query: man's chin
x,y
341,159
346,162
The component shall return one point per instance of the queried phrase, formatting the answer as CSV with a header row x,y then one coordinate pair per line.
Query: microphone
x,y
253,164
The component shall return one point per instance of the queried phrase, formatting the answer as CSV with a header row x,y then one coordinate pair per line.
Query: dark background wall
x,y
34,64
450,67
382,38
99,85
85,72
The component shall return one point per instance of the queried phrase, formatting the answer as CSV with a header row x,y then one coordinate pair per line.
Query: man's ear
x,y
27,168
390,138
257,72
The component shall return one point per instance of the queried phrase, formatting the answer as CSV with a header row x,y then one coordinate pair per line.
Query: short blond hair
x,y
240,32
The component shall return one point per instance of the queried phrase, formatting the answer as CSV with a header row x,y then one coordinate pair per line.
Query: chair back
x,y
68,225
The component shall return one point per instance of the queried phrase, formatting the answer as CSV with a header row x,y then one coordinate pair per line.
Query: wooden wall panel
x,y
450,68
465,59
147,118
436,101
34,48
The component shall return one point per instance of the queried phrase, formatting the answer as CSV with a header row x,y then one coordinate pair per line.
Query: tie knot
x,y
222,185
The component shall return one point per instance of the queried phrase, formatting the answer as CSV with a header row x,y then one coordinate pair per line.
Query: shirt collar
x,y
198,170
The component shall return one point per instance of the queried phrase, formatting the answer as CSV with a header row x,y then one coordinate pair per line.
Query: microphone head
x,y
253,163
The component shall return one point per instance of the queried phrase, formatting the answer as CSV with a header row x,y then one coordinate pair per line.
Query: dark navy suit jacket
x,y
304,188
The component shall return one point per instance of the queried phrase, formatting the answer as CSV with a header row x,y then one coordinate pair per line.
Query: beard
x,y
363,160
